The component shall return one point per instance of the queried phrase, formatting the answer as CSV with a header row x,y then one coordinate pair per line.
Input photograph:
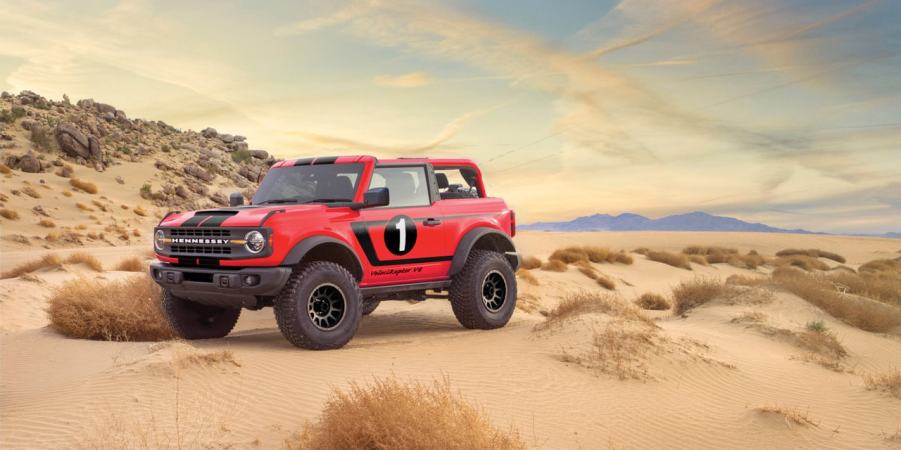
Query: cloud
x,y
407,80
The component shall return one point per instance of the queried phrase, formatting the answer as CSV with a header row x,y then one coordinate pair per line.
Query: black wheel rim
x,y
326,306
494,291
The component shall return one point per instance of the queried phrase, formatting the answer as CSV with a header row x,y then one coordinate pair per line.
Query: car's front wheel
x,y
483,294
192,320
320,307
369,306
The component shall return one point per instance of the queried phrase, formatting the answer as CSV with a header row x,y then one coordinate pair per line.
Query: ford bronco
x,y
325,240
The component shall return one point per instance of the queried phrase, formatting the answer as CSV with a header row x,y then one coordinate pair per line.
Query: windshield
x,y
309,184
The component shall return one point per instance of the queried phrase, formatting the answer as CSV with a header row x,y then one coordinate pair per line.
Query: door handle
x,y
431,222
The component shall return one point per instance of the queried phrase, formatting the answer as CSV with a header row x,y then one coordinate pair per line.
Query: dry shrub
x,y
621,257
100,205
863,313
698,259
750,261
673,259
521,273
605,282
47,261
882,286
572,255
568,255
127,310
529,263
889,381
743,280
84,185
749,317
813,252
83,207
823,342
9,214
140,211
882,265
554,265
86,259
618,349
691,294
29,191
388,414
581,303
46,223
805,262
642,251
708,250
654,302
587,270
67,194
792,416
4,169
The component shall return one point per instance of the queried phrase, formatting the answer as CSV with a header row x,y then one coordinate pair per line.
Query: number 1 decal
x,y
402,229
400,235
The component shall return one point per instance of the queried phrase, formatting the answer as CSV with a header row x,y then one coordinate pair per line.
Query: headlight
x,y
254,241
158,240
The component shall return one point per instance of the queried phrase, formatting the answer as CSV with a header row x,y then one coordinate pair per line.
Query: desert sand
x,y
704,378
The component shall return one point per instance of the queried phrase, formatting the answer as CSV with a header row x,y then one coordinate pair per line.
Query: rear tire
x,y
483,294
320,307
192,320
369,306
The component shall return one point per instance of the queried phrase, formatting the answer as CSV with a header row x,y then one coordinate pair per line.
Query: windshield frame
x,y
264,192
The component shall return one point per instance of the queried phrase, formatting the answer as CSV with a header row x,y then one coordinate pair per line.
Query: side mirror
x,y
235,199
376,197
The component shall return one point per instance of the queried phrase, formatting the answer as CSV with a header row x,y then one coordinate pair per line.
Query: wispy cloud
x,y
407,80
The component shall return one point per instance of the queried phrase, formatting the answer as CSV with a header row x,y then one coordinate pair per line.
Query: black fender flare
x,y
490,238
346,257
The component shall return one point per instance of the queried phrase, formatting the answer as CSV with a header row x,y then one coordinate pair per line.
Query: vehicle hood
x,y
238,216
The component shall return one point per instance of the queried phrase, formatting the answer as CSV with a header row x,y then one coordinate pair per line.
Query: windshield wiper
x,y
278,200
328,200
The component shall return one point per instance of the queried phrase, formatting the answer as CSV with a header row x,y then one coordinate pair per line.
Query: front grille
x,y
202,249
199,232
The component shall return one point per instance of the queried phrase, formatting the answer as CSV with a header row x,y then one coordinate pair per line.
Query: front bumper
x,y
221,286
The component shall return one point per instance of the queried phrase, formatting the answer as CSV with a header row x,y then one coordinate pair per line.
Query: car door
x,y
405,241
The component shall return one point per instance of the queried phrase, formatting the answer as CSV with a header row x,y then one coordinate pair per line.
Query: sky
x,y
774,111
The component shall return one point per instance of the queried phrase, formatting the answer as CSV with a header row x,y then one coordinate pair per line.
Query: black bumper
x,y
221,286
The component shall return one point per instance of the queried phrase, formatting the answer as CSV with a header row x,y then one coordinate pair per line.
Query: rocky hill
x,y
49,149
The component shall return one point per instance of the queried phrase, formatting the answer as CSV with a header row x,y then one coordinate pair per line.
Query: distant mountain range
x,y
693,221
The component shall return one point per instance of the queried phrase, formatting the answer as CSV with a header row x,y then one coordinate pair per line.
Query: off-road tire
x,y
192,320
292,303
466,291
369,306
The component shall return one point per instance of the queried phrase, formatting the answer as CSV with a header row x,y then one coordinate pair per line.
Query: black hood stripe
x,y
214,221
194,221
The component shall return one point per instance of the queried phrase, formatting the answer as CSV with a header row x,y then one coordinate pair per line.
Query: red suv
x,y
324,240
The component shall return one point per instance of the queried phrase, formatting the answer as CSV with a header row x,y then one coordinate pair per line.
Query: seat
x,y
402,188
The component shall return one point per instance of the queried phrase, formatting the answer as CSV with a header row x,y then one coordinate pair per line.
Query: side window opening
x,y
407,186
456,183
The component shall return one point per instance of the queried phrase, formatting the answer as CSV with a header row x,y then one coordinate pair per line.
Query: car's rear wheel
x,y
320,307
369,306
192,320
483,294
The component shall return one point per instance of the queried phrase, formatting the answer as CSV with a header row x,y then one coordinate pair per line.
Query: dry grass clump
x,y
805,262
83,207
67,194
889,381
31,192
46,223
529,263
652,301
813,252
9,214
525,275
821,341
698,259
581,303
749,317
126,310
388,414
750,261
881,266
673,259
618,349
743,280
792,416
554,265
882,286
572,255
47,261
86,259
711,254
84,185
605,282
642,251
133,264
139,211
691,294
863,313
587,270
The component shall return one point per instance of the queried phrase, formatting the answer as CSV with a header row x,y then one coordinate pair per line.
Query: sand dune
x,y
713,381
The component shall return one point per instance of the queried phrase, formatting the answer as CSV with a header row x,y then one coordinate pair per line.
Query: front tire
x,y
320,307
483,294
369,306
192,320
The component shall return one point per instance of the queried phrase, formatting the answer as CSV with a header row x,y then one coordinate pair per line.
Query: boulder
x,y
219,198
86,103
182,192
209,132
237,146
239,138
120,115
5,95
227,138
120,180
28,124
72,141
259,154
26,163
196,172
103,108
